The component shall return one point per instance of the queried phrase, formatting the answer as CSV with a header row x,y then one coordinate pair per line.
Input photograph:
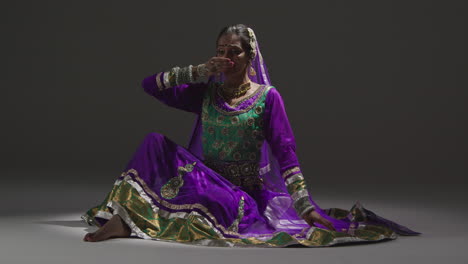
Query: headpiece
x,y
253,42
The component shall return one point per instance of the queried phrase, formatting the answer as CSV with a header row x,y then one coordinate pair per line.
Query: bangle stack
x,y
178,76
202,70
297,188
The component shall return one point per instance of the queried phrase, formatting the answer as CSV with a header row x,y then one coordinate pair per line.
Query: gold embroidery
x,y
237,156
220,119
222,154
217,144
258,109
259,91
178,206
257,133
211,130
231,145
252,156
235,120
194,228
240,214
250,121
171,188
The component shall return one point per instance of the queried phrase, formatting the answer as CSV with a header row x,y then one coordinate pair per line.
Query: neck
x,y
233,82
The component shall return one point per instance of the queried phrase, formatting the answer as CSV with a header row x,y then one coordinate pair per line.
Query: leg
x,y
115,227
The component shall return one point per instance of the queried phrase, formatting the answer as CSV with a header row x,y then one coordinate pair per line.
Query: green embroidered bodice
x,y
233,136
232,140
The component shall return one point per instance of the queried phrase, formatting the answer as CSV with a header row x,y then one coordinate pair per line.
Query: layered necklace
x,y
229,94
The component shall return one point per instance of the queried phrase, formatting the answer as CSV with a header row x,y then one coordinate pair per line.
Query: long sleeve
x,y
280,136
187,96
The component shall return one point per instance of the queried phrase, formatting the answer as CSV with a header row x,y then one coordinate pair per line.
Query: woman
x,y
239,183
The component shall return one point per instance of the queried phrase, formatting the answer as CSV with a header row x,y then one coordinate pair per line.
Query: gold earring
x,y
252,71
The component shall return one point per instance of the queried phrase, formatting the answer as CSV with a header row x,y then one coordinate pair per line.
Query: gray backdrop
x,y
375,90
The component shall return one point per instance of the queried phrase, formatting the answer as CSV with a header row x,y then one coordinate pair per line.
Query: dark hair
x,y
241,31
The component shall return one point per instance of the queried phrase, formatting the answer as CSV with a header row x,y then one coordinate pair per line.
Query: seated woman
x,y
239,182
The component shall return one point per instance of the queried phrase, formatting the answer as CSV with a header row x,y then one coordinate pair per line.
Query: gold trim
x,y
179,206
290,171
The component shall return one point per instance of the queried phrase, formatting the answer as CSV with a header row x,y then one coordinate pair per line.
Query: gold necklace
x,y
236,92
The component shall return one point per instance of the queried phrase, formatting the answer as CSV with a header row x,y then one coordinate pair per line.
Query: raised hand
x,y
216,65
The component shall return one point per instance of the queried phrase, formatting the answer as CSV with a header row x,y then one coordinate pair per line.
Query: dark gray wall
x,y
373,89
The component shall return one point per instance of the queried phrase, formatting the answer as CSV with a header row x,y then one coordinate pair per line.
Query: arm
x,y
280,136
176,88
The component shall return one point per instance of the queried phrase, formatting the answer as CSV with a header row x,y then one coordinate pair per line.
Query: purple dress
x,y
238,183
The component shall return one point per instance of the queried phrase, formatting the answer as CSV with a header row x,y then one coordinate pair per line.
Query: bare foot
x,y
115,227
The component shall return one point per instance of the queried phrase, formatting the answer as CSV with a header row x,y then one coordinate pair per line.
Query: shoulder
x,y
272,95
270,89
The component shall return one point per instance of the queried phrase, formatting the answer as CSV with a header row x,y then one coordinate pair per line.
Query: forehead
x,y
229,40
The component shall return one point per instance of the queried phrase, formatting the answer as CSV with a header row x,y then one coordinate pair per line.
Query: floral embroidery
x,y
235,120
234,227
258,109
254,133
217,144
171,188
231,145
211,130
222,154
237,156
232,137
250,121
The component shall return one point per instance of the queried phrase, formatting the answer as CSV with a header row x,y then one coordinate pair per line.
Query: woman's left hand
x,y
314,217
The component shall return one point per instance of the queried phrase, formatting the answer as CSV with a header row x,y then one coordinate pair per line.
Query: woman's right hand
x,y
216,65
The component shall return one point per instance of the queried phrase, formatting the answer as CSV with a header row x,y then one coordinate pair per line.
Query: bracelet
x,y
202,70
183,75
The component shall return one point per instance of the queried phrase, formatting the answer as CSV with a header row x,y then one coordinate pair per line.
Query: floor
x,y
36,227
